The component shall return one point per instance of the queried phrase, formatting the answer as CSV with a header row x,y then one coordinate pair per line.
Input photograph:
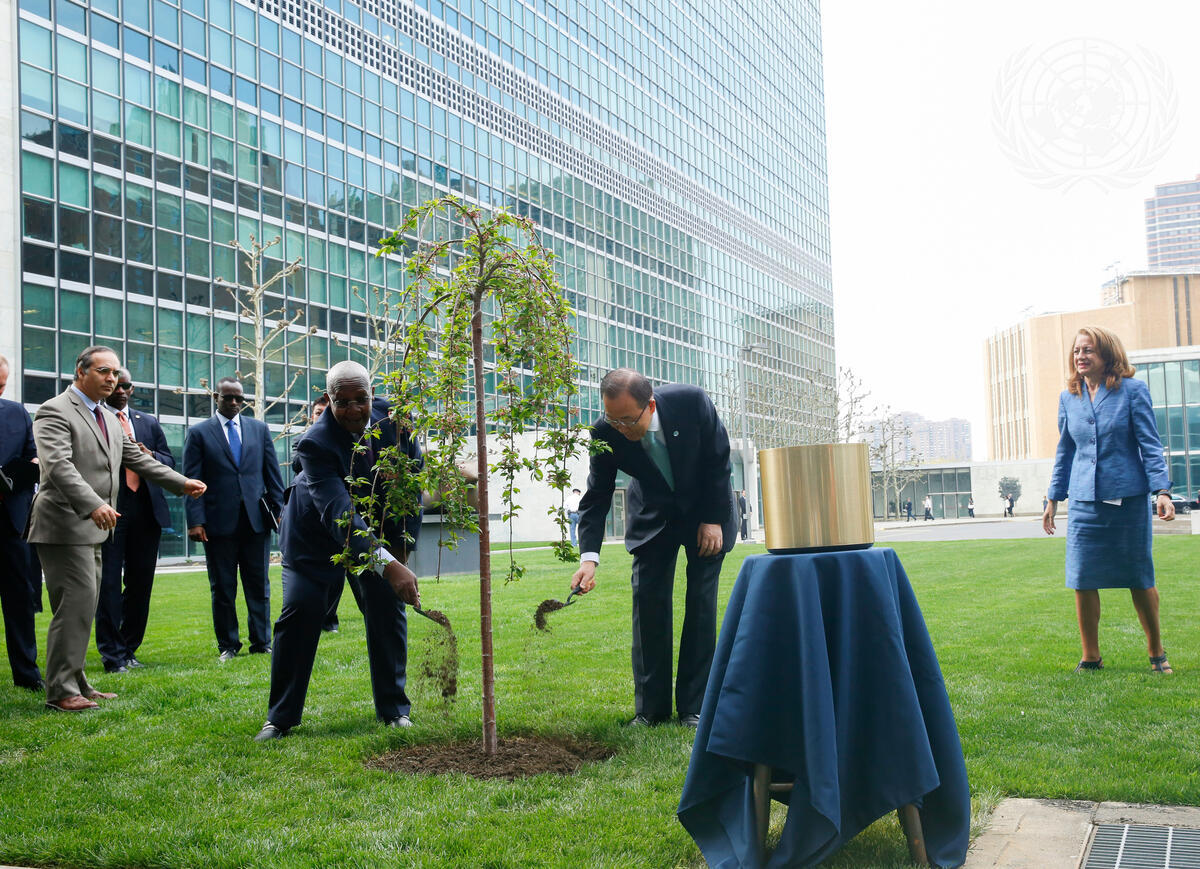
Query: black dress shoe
x,y
260,650
270,731
134,663
692,720
641,721
36,687
227,655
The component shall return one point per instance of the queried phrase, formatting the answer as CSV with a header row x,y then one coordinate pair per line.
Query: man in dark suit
x,y
235,456
20,576
672,444
121,615
387,626
311,534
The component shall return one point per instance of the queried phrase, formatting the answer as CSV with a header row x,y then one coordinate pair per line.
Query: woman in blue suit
x,y
1109,459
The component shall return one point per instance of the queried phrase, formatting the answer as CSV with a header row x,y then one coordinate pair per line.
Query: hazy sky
x,y
987,162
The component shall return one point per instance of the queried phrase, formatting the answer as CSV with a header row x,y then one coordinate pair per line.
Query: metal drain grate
x,y
1127,846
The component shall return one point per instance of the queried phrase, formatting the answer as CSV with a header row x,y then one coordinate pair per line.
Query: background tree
x,y
267,329
1010,486
889,442
482,314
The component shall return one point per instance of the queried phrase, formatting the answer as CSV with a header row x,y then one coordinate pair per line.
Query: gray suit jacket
x,y
80,470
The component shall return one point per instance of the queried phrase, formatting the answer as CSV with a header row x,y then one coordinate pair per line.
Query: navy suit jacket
x,y
206,456
393,531
698,447
17,449
309,532
146,430
1108,447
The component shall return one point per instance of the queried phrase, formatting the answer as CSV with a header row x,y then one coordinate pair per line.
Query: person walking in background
x,y
235,455
1109,458
81,449
971,507
1009,503
121,616
20,577
572,507
743,514
908,510
312,533
673,445
928,504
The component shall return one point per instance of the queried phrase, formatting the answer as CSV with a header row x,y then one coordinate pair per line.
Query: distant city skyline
x,y
931,441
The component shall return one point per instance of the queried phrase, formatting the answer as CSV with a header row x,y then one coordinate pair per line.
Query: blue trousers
x,y
298,630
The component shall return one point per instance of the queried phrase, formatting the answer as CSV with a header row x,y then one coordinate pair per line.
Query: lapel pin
x,y
674,434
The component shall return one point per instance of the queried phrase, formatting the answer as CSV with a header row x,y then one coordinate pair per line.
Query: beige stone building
x,y
1026,365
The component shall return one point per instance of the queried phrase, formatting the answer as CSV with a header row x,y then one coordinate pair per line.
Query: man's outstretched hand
x,y
584,579
403,582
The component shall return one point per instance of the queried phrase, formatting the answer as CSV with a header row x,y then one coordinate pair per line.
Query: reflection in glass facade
x,y
1174,382
672,153
949,488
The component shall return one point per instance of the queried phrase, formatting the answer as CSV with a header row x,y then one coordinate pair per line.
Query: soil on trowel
x,y
545,607
439,660
515,757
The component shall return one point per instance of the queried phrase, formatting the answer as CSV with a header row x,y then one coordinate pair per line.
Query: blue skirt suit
x,y
1108,450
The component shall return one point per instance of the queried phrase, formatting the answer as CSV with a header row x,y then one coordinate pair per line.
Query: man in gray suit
x,y
81,450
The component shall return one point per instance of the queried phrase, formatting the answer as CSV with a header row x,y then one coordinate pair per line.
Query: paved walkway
x,y
1054,834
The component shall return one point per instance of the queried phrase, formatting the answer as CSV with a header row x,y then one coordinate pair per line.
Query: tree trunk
x,y
485,557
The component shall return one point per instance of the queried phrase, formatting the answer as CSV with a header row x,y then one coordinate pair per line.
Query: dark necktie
x,y
100,422
235,442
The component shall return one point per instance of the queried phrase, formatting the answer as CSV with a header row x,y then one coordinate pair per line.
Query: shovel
x,y
549,606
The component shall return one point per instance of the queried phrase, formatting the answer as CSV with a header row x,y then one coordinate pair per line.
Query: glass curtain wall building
x,y
672,153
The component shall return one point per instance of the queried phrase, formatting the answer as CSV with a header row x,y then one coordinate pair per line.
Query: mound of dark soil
x,y
439,661
546,606
516,757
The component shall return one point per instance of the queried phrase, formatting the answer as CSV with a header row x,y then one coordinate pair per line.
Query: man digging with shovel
x,y
674,446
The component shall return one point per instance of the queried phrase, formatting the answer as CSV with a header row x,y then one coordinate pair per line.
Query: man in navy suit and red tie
x,y
672,444
20,575
133,547
235,456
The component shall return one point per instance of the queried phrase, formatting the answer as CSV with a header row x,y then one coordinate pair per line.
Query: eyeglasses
x,y
104,370
124,387
343,403
626,423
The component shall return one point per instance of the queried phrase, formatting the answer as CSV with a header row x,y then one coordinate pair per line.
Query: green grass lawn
x,y
167,775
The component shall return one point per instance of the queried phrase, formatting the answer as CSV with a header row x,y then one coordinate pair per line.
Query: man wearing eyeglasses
x,y
81,449
133,548
672,444
235,455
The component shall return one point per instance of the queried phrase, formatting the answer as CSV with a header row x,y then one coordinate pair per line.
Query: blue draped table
x,y
824,671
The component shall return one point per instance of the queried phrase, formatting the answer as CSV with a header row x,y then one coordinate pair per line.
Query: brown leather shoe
x,y
100,695
71,704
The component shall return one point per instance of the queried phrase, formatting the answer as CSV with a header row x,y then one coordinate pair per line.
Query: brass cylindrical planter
x,y
817,497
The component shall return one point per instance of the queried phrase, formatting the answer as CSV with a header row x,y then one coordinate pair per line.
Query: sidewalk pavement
x,y
1054,834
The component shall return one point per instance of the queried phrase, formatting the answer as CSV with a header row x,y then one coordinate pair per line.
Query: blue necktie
x,y
235,442
658,454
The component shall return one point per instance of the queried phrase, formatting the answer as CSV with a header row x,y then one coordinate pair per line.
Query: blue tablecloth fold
x,y
824,670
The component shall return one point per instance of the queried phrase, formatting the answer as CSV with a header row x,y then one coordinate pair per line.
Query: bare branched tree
x,y
274,330
892,456
783,411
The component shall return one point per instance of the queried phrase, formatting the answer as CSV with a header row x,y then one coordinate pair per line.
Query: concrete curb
x,y
1053,834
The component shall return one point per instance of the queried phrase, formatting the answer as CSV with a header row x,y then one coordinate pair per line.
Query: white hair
x,y
347,373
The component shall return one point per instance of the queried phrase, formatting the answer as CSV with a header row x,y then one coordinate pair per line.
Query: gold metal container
x,y
817,497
